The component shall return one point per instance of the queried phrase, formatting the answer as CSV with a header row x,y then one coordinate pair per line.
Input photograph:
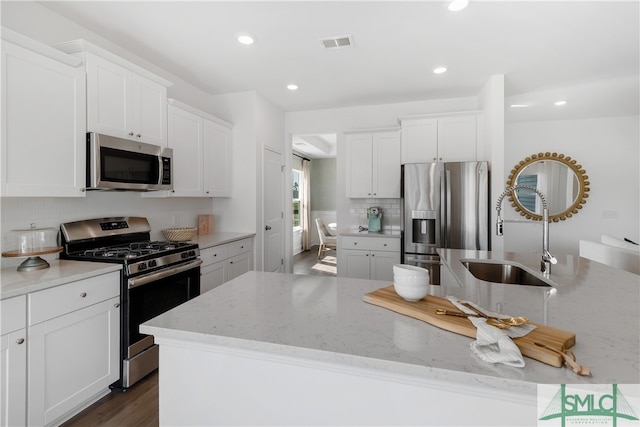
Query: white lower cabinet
x,y
74,347
368,257
13,373
224,262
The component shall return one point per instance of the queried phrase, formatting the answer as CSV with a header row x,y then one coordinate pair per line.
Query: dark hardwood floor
x,y
307,262
138,406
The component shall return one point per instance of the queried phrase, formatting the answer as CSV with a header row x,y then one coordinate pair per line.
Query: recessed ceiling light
x,y
559,103
292,86
456,5
519,105
439,70
245,38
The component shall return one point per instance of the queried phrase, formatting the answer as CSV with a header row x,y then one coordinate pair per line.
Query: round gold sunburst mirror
x,y
560,178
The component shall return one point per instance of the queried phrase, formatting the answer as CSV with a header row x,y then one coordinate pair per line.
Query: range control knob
x,y
142,266
153,263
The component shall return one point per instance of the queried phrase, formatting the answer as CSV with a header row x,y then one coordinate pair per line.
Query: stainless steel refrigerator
x,y
444,205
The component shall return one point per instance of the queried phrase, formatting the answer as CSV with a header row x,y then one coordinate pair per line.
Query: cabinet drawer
x,y
239,247
371,243
73,296
14,314
214,254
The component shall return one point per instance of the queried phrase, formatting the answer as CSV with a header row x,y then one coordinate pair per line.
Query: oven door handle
x,y
143,280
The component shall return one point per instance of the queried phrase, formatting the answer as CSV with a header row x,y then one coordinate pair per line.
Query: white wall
x,y
608,149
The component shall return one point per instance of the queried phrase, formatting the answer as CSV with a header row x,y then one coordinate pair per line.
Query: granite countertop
x,y
60,272
220,238
324,318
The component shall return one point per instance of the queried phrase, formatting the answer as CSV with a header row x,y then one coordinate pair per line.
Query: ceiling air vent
x,y
335,42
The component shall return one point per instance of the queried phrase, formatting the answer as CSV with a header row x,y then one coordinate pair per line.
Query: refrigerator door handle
x,y
447,231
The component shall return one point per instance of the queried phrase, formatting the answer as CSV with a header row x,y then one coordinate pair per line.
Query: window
x,y
297,175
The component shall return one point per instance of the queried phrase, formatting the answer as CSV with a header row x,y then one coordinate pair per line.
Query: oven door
x,y
147,297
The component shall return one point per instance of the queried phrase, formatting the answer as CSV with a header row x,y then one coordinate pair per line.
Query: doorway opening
x,y
313,196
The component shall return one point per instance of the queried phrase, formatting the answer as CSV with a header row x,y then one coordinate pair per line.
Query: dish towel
x,y
494,345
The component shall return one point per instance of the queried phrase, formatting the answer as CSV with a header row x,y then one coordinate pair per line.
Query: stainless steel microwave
x,y
120,164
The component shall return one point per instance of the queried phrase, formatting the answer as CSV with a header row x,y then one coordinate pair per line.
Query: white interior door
x,y
273,220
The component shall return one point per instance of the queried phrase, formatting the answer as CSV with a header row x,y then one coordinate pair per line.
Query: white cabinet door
x,y
185,138
109,98
420,141
217,159
43,125
13,379
382,264
442,139
71,358
212,276
386,165
359,165
457,137
239,264
356,264
149,111
124,104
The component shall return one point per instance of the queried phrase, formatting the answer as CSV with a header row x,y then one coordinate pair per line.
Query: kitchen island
x,y
281,349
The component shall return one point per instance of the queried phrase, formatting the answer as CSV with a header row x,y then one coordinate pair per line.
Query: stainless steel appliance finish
x,y
444,205
156,277
120,164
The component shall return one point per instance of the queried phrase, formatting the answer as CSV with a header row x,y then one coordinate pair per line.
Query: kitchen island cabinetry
x,y
453,138
313,343
368,257
43,120
13,371
224,262
74,346
373,163
123,99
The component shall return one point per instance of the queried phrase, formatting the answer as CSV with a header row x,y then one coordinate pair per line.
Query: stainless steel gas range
x,y
156,277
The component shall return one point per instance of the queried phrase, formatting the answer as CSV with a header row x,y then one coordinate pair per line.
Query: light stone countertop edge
x,y
15,283
205,241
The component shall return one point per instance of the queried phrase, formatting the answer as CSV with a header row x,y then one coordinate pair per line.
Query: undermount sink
x,y
508,274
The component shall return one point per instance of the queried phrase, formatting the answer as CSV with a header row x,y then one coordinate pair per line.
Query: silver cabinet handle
x,y
267,227
384,244
116,305
20,341
355,243
139,136
130,133
83,295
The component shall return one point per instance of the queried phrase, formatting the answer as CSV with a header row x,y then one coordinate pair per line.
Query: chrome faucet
x,y
547,258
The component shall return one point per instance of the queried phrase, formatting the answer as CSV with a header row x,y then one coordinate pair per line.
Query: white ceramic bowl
x,y
411,288
409,270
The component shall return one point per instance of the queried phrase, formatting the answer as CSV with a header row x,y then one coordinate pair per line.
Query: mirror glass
x,y
562,181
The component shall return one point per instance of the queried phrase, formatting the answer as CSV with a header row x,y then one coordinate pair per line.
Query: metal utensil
x,y
490,320
511,321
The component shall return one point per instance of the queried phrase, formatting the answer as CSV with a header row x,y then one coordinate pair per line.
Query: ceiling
x,y
586,52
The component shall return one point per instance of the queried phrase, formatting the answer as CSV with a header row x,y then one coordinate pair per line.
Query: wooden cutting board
x,y
425,310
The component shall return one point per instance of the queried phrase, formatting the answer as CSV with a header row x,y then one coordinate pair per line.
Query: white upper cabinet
x,y
185,138
43,120
217,159
373,164
451,138
202,148
123,99
124,104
